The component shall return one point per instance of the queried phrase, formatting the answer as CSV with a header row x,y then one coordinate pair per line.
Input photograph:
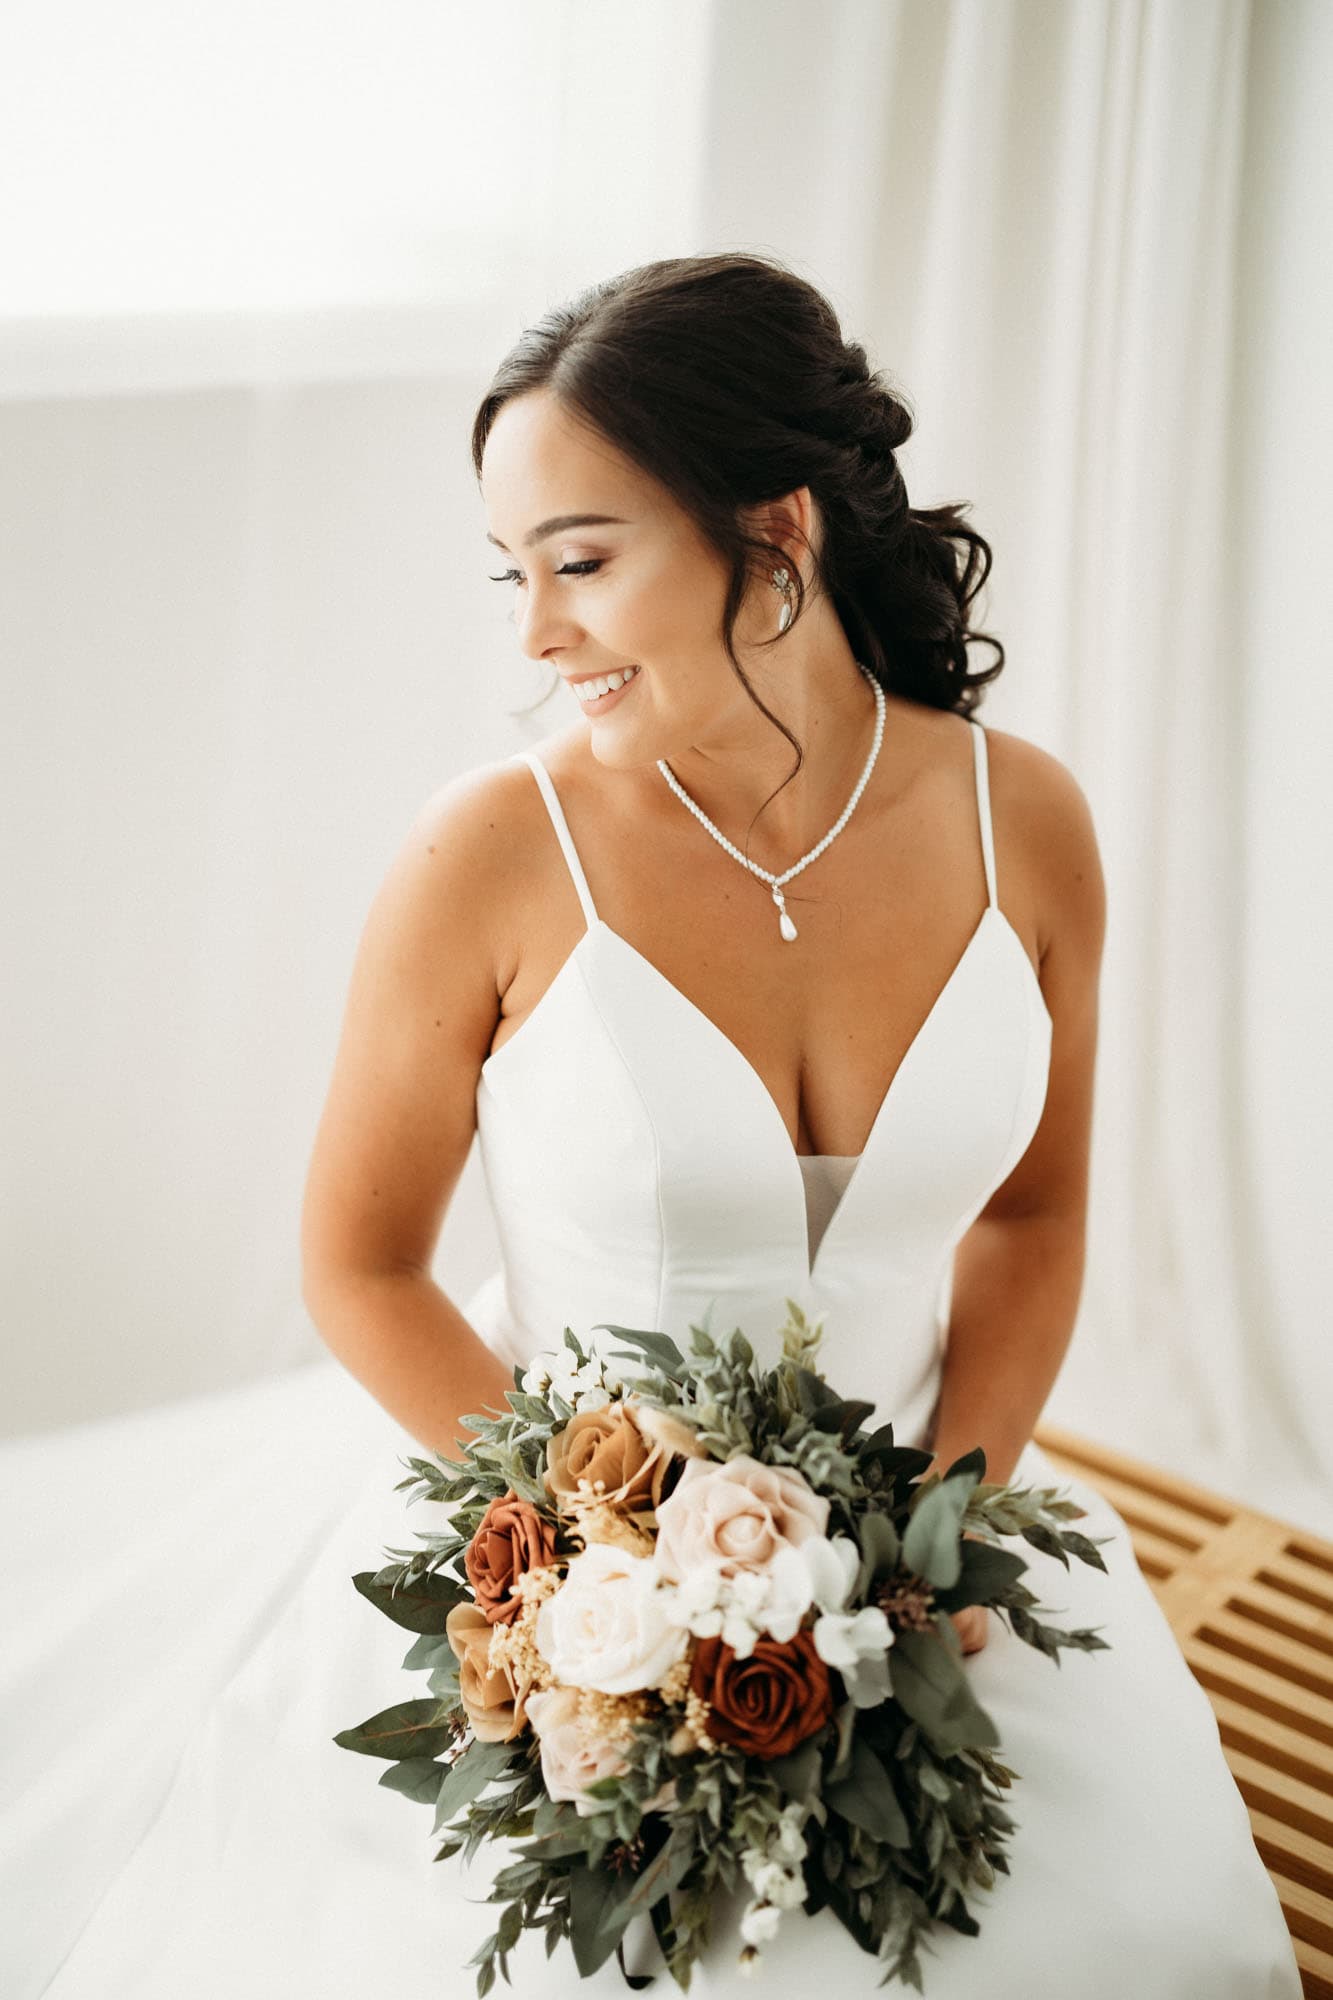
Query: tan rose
x,y
768,1702
495,1705
510,1537
606,1444
738,1514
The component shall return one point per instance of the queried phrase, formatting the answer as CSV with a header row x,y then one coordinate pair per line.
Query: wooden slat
x,y
1100,1458
1307,1914
1316,1969
1292,1855
1250,1600
1219,1672
1253,1597
1244,1727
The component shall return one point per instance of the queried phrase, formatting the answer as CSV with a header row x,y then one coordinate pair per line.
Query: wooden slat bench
x,y
1250,1598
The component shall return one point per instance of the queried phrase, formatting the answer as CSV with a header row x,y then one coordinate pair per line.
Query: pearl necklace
x,y
785,924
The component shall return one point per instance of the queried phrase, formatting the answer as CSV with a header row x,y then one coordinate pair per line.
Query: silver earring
x,y
782,581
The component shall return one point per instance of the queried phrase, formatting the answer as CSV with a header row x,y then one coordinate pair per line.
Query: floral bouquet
x,y
696,1624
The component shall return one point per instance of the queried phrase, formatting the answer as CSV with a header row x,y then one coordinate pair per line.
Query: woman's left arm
x,y
1018,1270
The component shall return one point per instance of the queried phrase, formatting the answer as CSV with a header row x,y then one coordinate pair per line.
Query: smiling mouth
x,y
604,689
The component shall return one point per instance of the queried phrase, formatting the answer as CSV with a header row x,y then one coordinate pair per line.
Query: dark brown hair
x,y
726,378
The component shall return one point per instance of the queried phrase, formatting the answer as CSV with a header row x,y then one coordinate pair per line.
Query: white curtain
x,y
255,269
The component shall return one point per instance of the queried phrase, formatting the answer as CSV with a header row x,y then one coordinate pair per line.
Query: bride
x,y
772,975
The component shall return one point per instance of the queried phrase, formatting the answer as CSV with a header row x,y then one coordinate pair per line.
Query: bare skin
x,y
478,912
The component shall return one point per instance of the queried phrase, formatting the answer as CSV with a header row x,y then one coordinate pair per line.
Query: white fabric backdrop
x,y
246,626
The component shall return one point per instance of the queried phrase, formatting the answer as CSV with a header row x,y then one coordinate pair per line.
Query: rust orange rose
x,y
606,1443
510,1537
495,1706
771,1701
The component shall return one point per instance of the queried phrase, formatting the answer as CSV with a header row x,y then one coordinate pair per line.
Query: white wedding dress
x,y
641,1174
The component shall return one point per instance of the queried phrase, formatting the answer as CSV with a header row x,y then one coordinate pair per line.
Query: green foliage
x,y
931,1685
409,1729
417,1778
866,1797
902,1801
422,1605
478,1764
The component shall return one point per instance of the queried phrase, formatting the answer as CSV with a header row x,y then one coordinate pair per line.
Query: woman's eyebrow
x,y
557,525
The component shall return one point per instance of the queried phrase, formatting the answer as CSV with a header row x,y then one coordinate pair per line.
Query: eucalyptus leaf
x,y
663,1873
511,1924
971,1463
934,1783
930,1545
986,1574
659,1346
422,1606
591,1898
469,1775
866,1797
430,1649
798,1772
558,1843
855,1414
416,1777
551,1813
419,1728
845,1718
881,1551
813,1392
1086,1551
932,1686
1047,1541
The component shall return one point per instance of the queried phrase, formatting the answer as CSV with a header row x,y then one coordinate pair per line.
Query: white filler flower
x,y
760,1923
710,1603
585,1385
856,1643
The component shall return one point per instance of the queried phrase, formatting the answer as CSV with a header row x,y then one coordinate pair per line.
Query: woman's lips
x,y
602,702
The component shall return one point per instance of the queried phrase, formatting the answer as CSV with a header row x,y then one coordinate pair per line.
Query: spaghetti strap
x,y
979,750
563,835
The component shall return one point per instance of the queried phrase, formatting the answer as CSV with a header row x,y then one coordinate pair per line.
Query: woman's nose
x,y
541,622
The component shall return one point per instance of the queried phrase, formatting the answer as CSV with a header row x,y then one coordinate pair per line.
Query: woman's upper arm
x,y
1052,819
421,1009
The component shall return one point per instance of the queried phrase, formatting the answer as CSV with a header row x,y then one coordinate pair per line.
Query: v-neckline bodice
x,y
768,1111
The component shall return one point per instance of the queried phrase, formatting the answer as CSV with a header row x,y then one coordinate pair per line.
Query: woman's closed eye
x,y
567,569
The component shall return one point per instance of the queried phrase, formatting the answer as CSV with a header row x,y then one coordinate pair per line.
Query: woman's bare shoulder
x,y
1049,823
469,851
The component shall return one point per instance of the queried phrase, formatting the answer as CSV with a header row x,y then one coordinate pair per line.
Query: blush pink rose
x,y
569,1764
738,1516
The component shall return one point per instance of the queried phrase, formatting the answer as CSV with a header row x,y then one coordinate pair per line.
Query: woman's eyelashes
x,y
567,569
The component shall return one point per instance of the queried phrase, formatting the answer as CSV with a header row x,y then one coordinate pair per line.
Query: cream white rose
x,y
607,1626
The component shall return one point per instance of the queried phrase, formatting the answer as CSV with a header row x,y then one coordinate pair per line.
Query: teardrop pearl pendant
x,y
785,924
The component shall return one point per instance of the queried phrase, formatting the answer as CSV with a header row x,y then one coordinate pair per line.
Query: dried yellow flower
x,y
598,1522
602,1718
674,1686
697,1712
